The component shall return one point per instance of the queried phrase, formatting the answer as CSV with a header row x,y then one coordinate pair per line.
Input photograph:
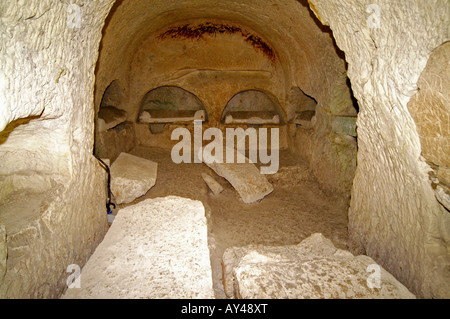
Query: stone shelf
x,y
252,117
109,117
304,119
171,116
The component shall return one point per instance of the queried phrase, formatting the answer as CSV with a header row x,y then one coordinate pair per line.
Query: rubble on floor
x,y
132,177
315,268
246,179
155,249
213,185
109,117
172,116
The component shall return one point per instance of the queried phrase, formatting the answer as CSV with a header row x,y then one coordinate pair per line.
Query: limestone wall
x,y
216,49
214,67
289,28
429,108
394,215
49,50
3,255
49,54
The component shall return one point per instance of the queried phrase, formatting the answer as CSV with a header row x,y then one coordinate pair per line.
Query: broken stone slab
x,y
213,185
245,178
132,177
155,249
315,268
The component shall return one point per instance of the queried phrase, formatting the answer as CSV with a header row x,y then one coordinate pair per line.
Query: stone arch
x,y
111,113
171,104
253,107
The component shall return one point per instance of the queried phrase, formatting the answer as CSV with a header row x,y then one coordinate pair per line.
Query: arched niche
x,y
110,113
253,107
171,104
301,108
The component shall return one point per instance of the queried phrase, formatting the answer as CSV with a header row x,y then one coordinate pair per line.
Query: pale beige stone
x,y
213,185
237,67
219,67
430,107
246,179
43,226
304,119
132,177
121,138
110,117
344,125
155,249
310,270
289,176
333,162
3,256
394,215
297,102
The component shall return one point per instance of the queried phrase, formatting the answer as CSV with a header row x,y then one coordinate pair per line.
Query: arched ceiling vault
x,y
306,53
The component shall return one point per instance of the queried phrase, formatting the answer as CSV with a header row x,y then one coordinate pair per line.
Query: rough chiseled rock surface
x,y
46,134
429,108
246,179
213,185
155,249
3,254
217,66
132,177
47,113
394,215
312,269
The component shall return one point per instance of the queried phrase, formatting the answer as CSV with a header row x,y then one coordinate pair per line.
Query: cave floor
x,y
295,209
